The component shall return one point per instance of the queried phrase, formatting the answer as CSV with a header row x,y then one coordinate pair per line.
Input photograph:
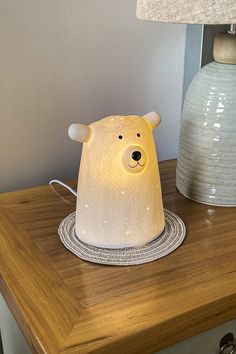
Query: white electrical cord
x,y
232,29
64,185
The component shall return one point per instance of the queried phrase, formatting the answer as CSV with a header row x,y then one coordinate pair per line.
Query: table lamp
x,y
206,166
119,200
119,218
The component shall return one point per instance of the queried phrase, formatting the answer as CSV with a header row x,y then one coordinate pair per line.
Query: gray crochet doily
x,y
171,238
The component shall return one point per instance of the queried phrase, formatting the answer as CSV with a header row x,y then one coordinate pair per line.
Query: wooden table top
x,y
65,305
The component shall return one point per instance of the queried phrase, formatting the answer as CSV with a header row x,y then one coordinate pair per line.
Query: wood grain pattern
x,y
65,305
224,49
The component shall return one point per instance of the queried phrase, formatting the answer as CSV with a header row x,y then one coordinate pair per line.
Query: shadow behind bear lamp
x,y
206,167
119,218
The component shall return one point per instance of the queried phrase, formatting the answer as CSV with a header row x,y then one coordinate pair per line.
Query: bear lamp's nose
x,y
136,155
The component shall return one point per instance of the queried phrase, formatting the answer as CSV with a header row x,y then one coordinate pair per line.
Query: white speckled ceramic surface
x,y
206,167
120,200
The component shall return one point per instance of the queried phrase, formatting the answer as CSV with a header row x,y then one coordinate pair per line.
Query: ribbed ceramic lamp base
x,y
206,167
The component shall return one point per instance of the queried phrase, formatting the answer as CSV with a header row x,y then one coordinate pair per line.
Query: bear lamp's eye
x,y
120,137
138,135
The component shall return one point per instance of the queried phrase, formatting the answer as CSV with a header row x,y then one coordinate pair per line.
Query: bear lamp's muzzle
x,y
134,159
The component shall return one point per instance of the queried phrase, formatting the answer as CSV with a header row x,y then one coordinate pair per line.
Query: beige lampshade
x,y
188,11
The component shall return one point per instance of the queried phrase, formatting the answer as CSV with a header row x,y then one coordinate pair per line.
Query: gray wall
x,y
68,61
193,53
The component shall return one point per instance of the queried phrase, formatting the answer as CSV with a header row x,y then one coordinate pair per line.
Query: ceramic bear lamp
x,y
119,200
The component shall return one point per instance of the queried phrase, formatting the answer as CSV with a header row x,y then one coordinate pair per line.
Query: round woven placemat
x,y
171,238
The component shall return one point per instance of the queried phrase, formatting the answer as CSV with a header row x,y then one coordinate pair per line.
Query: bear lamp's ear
x,y
153,119
79,132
